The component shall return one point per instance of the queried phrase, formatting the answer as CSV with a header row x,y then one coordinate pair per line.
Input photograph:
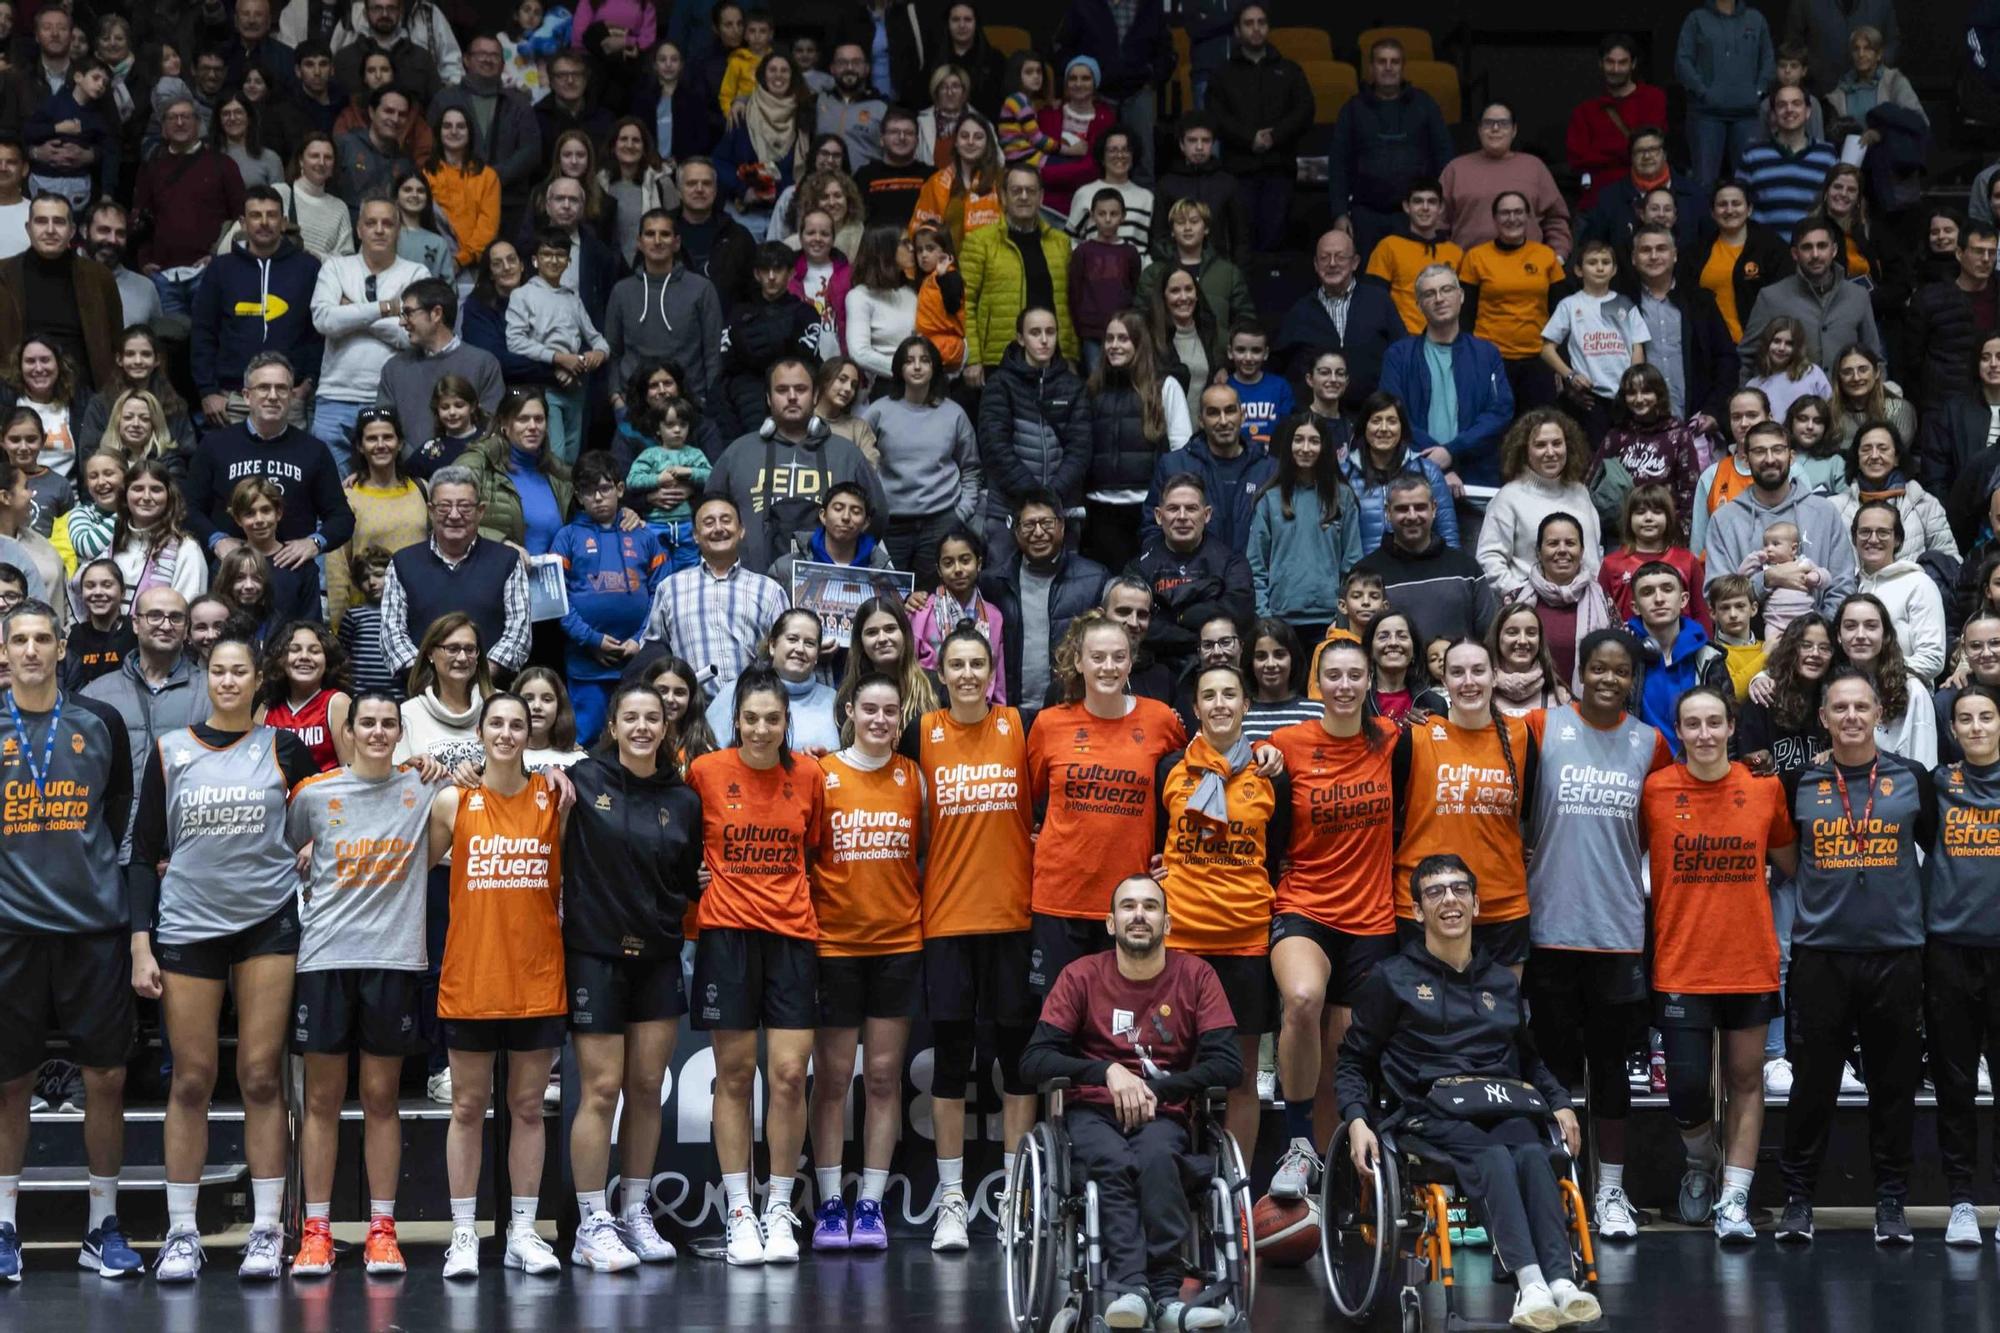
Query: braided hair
x,y
1499,722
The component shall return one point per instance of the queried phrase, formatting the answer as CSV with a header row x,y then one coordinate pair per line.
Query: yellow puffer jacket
x,y
996,287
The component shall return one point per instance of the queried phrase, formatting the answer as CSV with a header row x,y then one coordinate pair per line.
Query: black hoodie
x,y
629,861
760,333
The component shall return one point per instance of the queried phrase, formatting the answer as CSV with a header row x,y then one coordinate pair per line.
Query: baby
x,y
1780,552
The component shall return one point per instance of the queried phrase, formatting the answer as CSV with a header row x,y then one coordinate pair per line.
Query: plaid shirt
x,y
509,652
715,620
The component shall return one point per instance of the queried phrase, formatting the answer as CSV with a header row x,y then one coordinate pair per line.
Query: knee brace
x,y
951,1059
1011,1041
1690,1092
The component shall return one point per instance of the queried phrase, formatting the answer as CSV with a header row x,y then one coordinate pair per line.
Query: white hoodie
x,y
1916,611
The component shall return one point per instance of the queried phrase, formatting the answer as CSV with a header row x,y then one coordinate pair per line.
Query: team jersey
x,y
1093,779
864,877
1860,829
630,857
503,953
1585,883
1218,877
981,816
1706,844
309,722
59,866
1340,864
1456,792
1398,259
363,901
1964,863
758,826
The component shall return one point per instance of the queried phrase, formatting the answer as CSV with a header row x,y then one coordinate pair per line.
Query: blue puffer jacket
x,y
1373,497
246,305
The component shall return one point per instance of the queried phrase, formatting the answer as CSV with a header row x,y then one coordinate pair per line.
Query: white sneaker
x,y
1577,1305
599,1247
438,1087
746,1238
781,1235
263,1254
948,1234
1615,1218
641,1237
462,1259
1778,1077
1985,1079
527,1251
1535,1308
1850,1082
1732,1219
180,1258
1003,1208
1963,1229
1296,1171
1267,1086
552,1094
1130,1310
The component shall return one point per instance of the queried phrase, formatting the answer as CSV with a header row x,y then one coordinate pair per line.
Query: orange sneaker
x,y
315,1256
380,1253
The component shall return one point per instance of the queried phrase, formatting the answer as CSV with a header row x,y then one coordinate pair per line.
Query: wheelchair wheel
x,y
1030,1229
1236,1230
1359,1229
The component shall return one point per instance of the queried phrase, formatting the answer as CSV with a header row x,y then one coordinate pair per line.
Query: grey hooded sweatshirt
x,y
676,318
1737,528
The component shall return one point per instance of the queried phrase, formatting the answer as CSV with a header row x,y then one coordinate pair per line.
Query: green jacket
x,y
1223,289
487,459
996,289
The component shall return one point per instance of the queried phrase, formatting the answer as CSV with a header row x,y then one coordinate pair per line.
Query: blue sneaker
x,y
830,1230
869,1233
10,1252
106,1250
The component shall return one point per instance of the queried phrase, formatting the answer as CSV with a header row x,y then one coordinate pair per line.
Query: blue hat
x,y
1089,63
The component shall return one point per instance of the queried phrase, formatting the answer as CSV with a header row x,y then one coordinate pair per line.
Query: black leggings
x,y
1690,1064
955,1048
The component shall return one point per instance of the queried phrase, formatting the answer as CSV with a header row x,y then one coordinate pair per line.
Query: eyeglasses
x,y
1229,642
157,618
1039,524
1438,891
459,649
451,507
1494,123
267,390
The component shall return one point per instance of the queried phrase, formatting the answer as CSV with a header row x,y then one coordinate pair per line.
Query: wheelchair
x,y
1373,1233
1050,1237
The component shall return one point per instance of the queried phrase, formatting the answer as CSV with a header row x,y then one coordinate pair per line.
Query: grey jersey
x,y
59,839
363,901
230,866
1585,885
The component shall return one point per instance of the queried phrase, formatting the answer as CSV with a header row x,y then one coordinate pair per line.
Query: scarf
x,y
1644,184
1210,802
773,125
1582,592
1520,687
947,614
1890,489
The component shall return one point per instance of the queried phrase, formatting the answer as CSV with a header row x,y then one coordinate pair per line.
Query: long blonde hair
x,y
162,443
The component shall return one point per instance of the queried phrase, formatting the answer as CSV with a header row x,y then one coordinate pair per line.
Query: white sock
x,y
267,1201
951,1176
1610,1176
10,1198
777,1193
1007,1164
1700,1147
180,1206
873,1183
589,1203
103,1200
1736,1179
465,1212
381,1208
635,1194
736,1189
1530,1275
321,1211
521,1210
828,1180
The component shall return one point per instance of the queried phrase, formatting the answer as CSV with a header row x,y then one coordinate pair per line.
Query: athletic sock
x,y
1610,1176
10,1198
103,1199
951,1176
635,1193
589,1203
521,1210
1701,1149
180,1206
736,1189
777,1194
1299,1118
1007,1164
465,1212
1737,1179
873,1184
319,1211
828,1180
267,1202
1529,1275
382,1208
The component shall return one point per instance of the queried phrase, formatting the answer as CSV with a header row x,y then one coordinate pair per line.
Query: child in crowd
x,y
1653,443
1202,177
1362,598
611,576
1418,242
941,297
1593,337
1266,399
1103,275
360,631
102,636
772,323
1782,606
741,75
258,506
546,322
243,582
458,419
1817,458
1733,603
49,492
961,560
668,474
1678,655
1646,527
805,54
1435,649
85,531
1784,372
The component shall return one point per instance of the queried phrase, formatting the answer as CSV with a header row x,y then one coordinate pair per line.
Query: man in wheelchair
x,y
1139,1032
1443,1032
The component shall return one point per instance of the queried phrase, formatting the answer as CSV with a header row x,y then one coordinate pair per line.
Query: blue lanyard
x,y
37,773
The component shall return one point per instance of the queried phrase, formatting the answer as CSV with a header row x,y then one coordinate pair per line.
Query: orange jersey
x,y
503,952
757,827
980,855
864,878
1340,868
1707,842
1219,879
1094,778
1458,796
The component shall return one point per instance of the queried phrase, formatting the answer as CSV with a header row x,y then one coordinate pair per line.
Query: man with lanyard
x,y
65,931
1131,1082
1857,952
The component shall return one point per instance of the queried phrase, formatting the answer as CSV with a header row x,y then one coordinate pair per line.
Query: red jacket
x,y
1062,174
1596,144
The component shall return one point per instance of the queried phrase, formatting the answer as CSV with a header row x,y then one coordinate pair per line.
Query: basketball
x,y
1287,1230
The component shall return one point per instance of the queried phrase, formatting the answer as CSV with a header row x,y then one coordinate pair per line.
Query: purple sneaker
x,y
830,1230
869,1233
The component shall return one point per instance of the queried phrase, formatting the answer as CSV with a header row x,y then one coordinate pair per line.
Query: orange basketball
x,y
1287,1230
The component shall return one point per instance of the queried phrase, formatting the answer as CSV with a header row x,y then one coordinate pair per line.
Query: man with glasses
x,y
457,571
1023,264
257,298
1038,590
891,182
1473,180
427,310
570,105
505,134
186,194
1453,385
157,690
317,518
1951,317
853,110
1621,204
1776,496
423,53
1343,314
357,306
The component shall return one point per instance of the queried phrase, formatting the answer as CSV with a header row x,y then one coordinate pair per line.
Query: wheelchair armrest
x,y
1055,1085
1215,1101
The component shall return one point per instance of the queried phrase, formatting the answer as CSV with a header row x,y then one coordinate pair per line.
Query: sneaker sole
x,y
951,1246
734,1262
597,1265
380,1268
1965,1242
314,1270
509,1261
1887,1242
1795,1237
461,1275
1287,1191
875,1243
1736,1238
831,1245
770,1258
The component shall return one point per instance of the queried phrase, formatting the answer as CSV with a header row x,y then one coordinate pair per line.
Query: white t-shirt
x,y
1596,335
